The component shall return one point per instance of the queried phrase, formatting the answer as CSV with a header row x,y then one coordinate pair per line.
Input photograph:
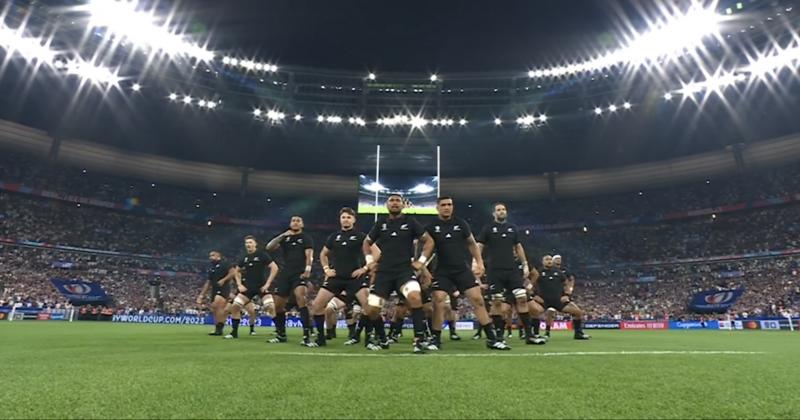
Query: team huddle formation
x,y
364,271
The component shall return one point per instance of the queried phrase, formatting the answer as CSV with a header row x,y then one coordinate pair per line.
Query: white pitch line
x,y
548,354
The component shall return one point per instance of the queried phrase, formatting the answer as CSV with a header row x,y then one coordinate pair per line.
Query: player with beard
x,y
552,291
220,273
389,250
343,260
298,255
256,280
502,243
569,284
451,237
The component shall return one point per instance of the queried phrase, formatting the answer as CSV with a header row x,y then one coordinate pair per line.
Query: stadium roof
x,y
484,109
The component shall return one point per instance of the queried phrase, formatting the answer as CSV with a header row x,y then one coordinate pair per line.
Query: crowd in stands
x,y
607,260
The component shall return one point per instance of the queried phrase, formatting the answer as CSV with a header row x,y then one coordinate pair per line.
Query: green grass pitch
x,y
101,370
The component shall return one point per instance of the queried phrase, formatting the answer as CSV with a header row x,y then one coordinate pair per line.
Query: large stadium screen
x,y
419,193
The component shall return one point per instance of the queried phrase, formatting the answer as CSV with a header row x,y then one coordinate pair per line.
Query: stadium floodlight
x,y
434,78
612,108
667,96
226,60
543,118
136,87
374,187
256,112
712,83
173,96
598,110
273,68
28,47
422,189
298,117
789,57
95,74
672,37
418,122
626,105
498,121
201,103
320,118
275,116
372,76
334,119
211,104
121,18
462,122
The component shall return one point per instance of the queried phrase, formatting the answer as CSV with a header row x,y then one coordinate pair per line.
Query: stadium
x,y
261,209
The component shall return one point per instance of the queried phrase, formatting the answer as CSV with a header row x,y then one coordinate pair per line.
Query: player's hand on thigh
x,y
242,289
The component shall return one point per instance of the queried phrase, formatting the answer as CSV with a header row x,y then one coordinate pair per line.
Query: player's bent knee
x,y
411,287
240,302
332,306
375,301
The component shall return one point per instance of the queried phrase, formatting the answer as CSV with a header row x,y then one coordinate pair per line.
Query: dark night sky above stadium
x,y
408,35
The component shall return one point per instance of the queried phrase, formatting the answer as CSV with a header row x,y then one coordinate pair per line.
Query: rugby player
x,y
256,281
552,290
220,273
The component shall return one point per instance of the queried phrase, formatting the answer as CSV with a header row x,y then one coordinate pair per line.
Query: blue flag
x,y
715,301
80,292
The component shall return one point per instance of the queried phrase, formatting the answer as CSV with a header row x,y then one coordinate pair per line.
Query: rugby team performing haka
x,y
364,271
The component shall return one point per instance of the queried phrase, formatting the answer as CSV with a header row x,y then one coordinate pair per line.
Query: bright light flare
x,y
671,38
13,41
95,74
122,19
